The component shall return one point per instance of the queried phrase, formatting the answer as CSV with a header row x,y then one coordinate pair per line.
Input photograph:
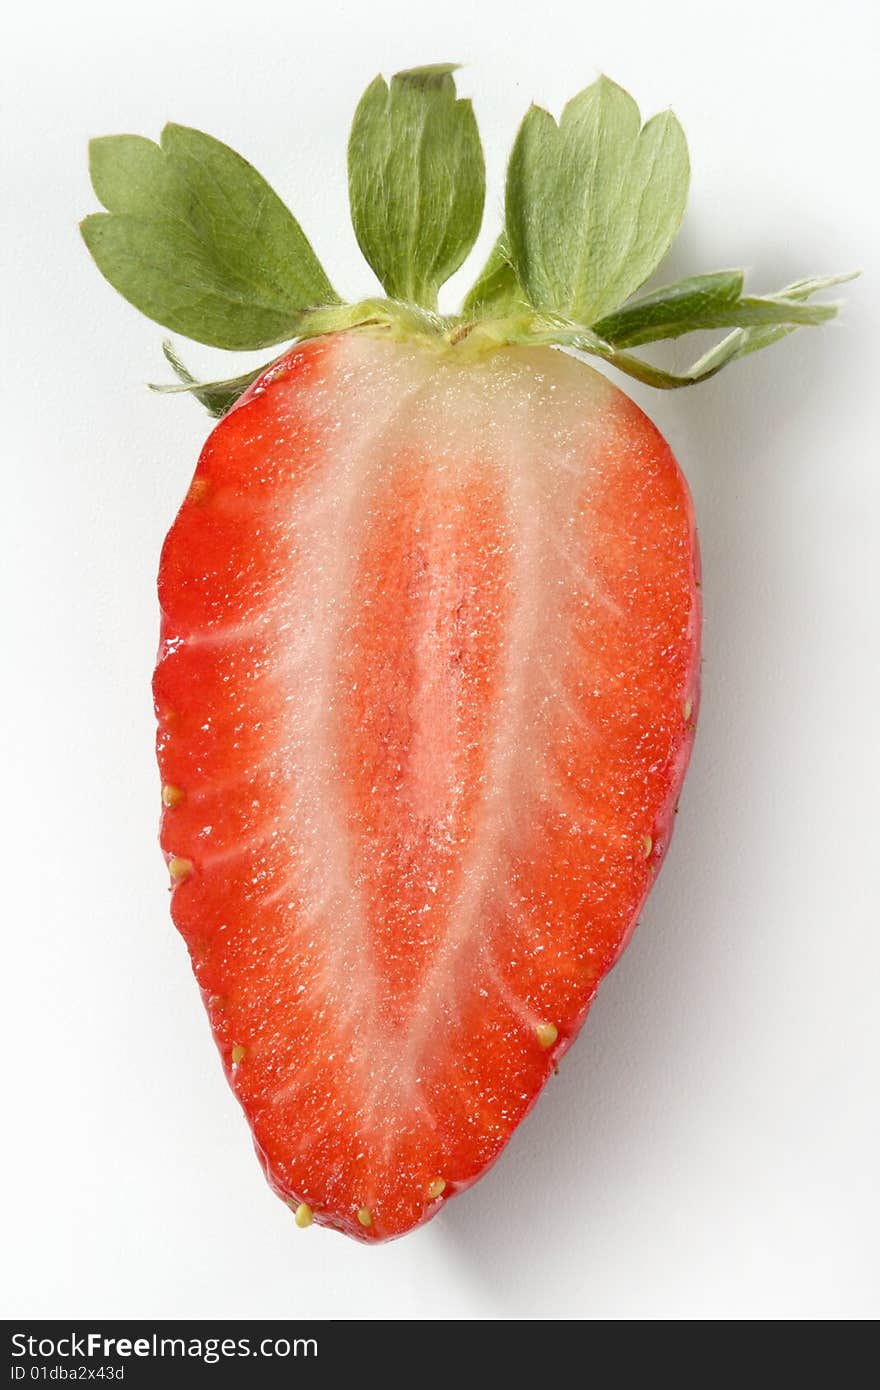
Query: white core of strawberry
x,y
535,432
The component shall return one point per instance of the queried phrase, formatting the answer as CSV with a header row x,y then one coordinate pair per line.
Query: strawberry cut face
x,y
426,692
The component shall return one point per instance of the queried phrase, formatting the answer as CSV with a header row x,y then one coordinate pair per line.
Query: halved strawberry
x,y
430,638
426,694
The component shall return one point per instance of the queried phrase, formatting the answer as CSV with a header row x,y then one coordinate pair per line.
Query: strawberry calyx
x,y
197,240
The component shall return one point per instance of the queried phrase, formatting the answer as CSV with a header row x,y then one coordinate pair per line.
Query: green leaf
x,y
803,289
594,202
216,396
196,239
416,181
219,396
496,291
670,307
703,302
747,340
764,332
131,174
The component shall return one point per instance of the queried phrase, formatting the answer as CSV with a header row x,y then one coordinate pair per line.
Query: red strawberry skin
x,y
426,693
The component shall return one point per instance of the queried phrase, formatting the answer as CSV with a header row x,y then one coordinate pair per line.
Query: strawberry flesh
x,y
426,693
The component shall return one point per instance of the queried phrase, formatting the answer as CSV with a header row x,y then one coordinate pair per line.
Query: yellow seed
x,y
179,868
436,1188
547,1034
365,1216
238,1053
171,796
688,710
648,845
303,1215
198,490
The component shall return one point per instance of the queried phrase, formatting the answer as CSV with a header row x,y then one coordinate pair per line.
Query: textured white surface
x,y
710,1148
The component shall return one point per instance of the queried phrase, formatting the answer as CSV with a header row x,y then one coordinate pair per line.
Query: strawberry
x,y
429,660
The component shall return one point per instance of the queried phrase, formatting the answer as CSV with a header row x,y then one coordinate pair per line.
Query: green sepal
x,y
217,397
787,312
416,181
670,307
701,303
196,239
593,203
744,341
496,291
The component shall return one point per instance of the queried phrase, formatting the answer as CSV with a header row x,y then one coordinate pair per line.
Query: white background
x,y
710,1148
